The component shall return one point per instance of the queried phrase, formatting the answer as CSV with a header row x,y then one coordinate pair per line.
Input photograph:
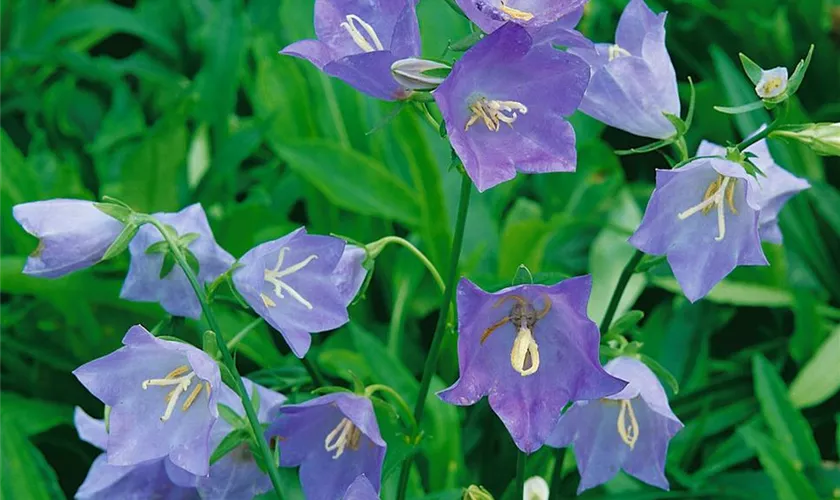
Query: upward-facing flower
x,y
334,439
491,14
149,279
704,218
237,475
72,234
359,40
629,430
633,80
163,398
773,189
158,479
300,284
532,349
503,120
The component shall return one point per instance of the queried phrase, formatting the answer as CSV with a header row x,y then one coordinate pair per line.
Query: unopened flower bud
x,y
823,138
475,492
419,74
535,489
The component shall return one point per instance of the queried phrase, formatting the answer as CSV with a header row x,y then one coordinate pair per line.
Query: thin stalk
x,y
781,114
227,359
437,340
314,372
626,274
520,473
242,333
377,246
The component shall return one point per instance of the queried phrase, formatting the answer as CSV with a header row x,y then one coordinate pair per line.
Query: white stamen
x,y
344,434
714,199
357,35
615,52
181,384
525,355
493,113
275,275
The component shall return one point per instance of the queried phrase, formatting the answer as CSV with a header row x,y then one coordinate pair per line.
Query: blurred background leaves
x,y
163,103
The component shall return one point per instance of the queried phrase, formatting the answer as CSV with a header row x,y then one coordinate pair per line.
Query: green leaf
x,y
229,443
788,481
26,474
737,110
121,243
167,266
788,425
626,322
736,293
351,180
230,416
752,69
34,416
819,379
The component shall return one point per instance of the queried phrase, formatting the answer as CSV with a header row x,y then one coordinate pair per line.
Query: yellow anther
x,y
177,372
771,86
629,431
721,191
181,378
493,113
519,15
191,398
267,301
525,355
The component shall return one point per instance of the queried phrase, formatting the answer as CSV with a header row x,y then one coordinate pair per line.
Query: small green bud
x,y
823,138
475,492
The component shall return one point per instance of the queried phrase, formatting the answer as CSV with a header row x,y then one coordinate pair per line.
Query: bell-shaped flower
x,y
334,439
299,285
163,397
153,275
350,273
531,349
154,479
358,41
72,234
501,121
633,80
629,430
489,15
237,475
361,489
704,218
774,186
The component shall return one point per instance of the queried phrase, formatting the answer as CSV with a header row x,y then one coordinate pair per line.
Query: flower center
x,y
628,426
615,52
770,87
275,275
493,113
720,190
525,354
344,434
370,43
182,379
519,15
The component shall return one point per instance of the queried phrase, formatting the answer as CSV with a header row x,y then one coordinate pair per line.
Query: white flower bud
x,y
412,74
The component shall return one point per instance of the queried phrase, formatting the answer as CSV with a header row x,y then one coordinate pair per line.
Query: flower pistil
x,y
525,354
368,45
722,188
615,51
628,426
275,275
493,113
182,379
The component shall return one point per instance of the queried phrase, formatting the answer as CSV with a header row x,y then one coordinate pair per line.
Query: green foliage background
x,y
163,103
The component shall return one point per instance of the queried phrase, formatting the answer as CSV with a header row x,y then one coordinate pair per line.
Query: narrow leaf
x,y
752,69
737,110
789,483
819,379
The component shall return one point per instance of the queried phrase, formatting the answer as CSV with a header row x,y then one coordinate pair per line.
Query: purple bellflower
x,y
774,188
704,218
504,105
358,41
158,479
633,80
489,15
532,349
163,398
144,282
237,475
629,430
334,439
300,284
72,234
361,489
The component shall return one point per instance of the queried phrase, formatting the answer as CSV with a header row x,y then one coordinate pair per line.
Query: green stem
x,y
520,473
557,474
372,389
227,359
314,372
437,340
780,117
377,246
626,274
242,333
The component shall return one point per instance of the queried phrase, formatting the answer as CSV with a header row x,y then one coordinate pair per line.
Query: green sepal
x,y
209,344
752,69
329,389
626,322
159,247
229,443
692,104
192,261
368,264
358,384
107,418
231,417
186,239
522,276
121,242
467,42
168,265
256,400
798,75
647,149
660,371
677,122
418,96
119,212
649,262
737,110
227,377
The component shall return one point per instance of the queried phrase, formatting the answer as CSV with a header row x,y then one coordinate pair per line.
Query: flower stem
x,y
781,114
437,340
227,359
520,473
377,246
314,372
626,274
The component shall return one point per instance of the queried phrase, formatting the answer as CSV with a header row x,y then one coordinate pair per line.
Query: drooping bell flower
x,y
149,279
704,218
531,349
163,396
629,430
72,234
773,189
633,80
361,489
503,121
358,41
237,475
334,439
155,479
298,285
489,15
350,274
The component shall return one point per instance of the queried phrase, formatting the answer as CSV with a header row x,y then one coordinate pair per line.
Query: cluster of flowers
x,y
530,348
